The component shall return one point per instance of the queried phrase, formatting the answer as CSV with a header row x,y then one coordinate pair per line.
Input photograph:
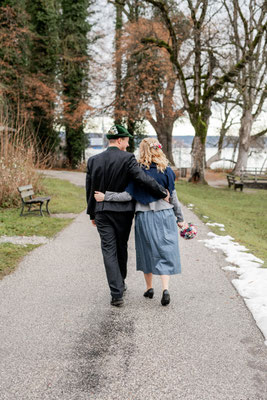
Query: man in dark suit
x,y
112,170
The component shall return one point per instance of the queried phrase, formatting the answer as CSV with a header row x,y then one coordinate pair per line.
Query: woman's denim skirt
x,y
156,241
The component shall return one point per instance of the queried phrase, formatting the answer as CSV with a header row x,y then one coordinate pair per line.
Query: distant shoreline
x,y
96,140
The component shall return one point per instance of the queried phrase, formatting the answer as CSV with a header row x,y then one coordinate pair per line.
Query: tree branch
x,y
234,71
161,5
179,113
261,102
261,133
225,100
150,119
158,43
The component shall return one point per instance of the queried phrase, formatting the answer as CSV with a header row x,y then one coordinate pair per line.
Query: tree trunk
x,y
131,129
244,141
201,124
217,156
164,134
198,160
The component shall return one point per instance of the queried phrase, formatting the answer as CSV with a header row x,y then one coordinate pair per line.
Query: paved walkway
x,y
61,339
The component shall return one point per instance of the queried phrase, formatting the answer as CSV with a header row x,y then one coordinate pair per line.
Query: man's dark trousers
x,y
114,230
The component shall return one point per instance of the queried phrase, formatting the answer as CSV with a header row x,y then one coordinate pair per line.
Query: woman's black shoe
x,y
149,293
165,300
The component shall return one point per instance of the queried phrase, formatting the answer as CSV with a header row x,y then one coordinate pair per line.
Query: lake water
x,y
182,157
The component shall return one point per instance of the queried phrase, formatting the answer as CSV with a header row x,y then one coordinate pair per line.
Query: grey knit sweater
x,y
154,206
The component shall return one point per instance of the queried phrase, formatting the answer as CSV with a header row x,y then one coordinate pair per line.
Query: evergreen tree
x,y
14,53
75,64
43,65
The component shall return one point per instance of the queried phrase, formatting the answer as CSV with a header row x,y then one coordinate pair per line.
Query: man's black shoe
x,y
116,301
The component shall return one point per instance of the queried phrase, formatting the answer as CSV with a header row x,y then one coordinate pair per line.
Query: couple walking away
x,y
117,187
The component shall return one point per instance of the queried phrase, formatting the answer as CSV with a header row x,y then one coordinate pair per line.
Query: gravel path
x,y
61,339
77,178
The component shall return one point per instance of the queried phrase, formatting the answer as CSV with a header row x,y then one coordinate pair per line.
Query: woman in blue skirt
x,y
156,233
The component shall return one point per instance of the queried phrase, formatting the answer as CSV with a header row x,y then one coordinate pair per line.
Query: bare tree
x,y
150,85
145,79
199,87
246,20
228,107
165,117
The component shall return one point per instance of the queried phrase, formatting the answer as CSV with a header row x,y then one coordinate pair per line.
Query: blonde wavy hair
x,y
150,152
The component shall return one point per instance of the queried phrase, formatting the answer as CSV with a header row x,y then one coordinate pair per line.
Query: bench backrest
x,y
254,173
26,191
231,177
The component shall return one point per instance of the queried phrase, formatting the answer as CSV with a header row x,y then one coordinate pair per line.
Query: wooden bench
x,y
254,172
27,191
232,181
253,177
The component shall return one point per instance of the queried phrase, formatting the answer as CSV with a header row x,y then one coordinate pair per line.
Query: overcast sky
x,y
103,82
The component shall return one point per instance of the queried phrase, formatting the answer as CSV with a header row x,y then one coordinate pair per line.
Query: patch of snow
x,y
230,268
252,282
24,240
215,224
205,216
190,205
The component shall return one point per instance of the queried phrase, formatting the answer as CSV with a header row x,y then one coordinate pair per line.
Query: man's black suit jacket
x,y
111,171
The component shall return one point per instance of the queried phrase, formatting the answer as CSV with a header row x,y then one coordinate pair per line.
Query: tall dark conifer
x,y
43,65
75,64
14,54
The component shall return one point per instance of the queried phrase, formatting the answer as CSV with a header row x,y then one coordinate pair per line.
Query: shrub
x,y
19,159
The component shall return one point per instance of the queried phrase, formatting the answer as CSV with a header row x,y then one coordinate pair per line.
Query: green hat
x,y
118,131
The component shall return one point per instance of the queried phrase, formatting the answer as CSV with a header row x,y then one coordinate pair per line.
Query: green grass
x,y
10,256
243,214
65,198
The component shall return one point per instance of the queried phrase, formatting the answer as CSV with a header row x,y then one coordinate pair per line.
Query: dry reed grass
x,y
19,159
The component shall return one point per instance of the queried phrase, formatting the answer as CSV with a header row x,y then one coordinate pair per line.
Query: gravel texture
x,y
61,339
64,215
24,240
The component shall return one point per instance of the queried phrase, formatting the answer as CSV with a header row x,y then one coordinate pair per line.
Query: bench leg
x,y
238,186
41,212
47,207
21,213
